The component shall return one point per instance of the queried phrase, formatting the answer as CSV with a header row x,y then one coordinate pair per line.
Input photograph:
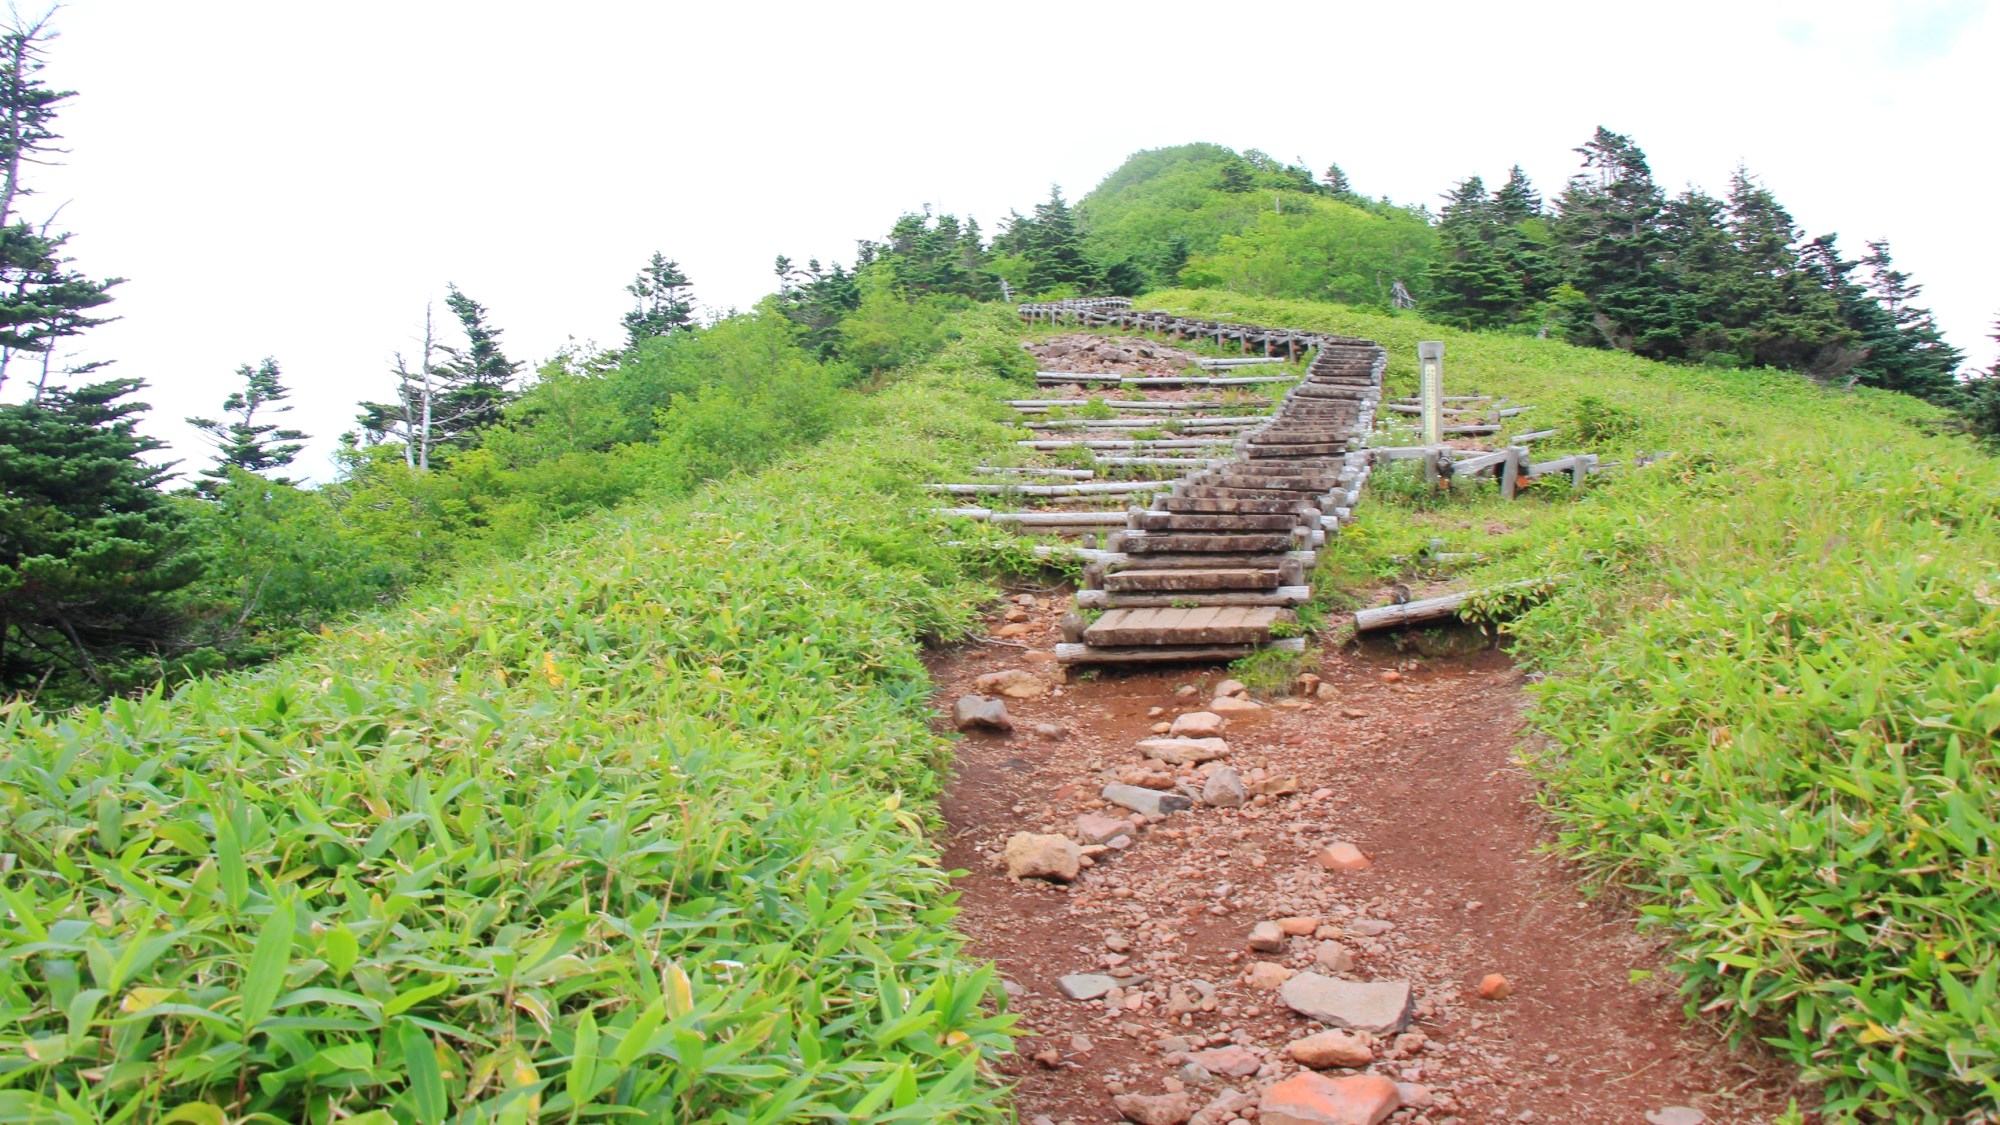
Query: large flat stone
x,y
1381,1007
1184,751
1151,802
1314,1099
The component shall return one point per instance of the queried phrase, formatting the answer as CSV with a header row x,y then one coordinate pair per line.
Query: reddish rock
x,y
1391,676
1267,975
1155,1109
1183,751
1227,688
1102,829
1333,956
1312,1099
1344,857
1333,1048
1233,705
1226,1107
1298,926
1493,986
1012,683
1033,856
1198,724
1306,684
1015,629
1235,1061
977,711
1267,937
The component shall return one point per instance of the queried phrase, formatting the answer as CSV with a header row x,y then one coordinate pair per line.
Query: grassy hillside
x,y
639,821
1773,687
1271,231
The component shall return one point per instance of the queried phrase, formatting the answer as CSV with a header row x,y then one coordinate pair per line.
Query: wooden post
x,y
1431,467
1510,472
1430,373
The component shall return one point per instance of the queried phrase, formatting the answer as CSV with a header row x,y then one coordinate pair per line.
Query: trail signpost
x,y
1430,391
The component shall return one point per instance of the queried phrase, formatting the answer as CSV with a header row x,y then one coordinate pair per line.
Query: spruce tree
x,y
42,300
244,443
1336,182
478,376
1052,244
1613,250
665,301
1236,177
1982,399
1911,355
1516,201
1472,283
89,546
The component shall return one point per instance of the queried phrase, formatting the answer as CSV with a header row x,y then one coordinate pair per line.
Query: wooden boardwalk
x,y
1211,569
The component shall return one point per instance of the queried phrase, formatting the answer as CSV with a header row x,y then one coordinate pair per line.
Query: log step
x,y
1221,521
1147,543
1199,625
1313,449
1204,504
1282,596
1163,654
1141,581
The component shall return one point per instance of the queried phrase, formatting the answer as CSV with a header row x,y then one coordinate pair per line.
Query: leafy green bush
x,y
1773,691
637,825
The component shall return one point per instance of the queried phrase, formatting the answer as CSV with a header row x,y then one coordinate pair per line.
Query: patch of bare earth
x,y
1412,763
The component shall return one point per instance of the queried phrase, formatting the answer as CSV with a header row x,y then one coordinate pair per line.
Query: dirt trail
x,y
1419,773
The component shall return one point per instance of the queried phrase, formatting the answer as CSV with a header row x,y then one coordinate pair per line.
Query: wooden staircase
x,y
1213,567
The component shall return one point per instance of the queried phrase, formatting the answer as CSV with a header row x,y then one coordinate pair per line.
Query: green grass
x,y
637,827
1773,687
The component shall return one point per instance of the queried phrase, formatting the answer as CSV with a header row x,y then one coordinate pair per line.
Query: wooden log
x,y
1169,654
1163,443
1037,471
1535,436
1087,488
1429,609
1282,596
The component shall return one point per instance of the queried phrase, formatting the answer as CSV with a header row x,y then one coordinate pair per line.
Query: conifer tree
x,y
42,300
665,301
1053,246
1909,353
1613,250
1336,182
479,377
1516,201
1237,177
89,545
1472,283
245,443
1982,399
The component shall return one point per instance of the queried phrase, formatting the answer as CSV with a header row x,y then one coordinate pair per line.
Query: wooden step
x,y
1141,581
1168,654
1204,504
1312,449
1200,625
1150,543
1282,596
1231,492
1218,521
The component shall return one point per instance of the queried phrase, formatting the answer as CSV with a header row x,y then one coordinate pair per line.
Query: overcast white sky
x,y
297,180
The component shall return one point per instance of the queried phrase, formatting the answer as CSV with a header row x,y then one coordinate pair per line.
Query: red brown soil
x,y
1420,774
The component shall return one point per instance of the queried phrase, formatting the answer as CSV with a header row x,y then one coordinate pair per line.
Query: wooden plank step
x,y
1167,654
1205,504
1199,625
1282,596
1312,449
1151,543
1231,492
1234,578
1220,521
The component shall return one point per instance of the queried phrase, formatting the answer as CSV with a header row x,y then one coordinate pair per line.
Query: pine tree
x,y
244,444
478,376
42,300
89,545
665,301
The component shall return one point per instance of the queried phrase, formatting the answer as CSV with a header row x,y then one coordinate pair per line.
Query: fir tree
x,y
478,376
42,300
1336,182
1516,201
89,546
665,301
244,443
1982,399
1613,251
1912,356
1053,246
815,300
1472,283
1237,177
